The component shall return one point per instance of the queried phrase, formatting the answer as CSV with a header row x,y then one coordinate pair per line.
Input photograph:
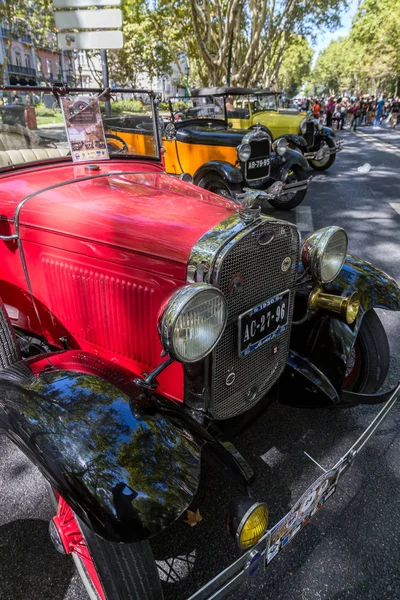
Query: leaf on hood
x,y
192,518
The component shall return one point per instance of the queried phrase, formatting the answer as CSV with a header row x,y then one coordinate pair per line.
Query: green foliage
x,y
296,65
368,59
146,50
126,106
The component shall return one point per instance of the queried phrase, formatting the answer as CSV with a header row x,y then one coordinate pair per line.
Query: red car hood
x,y
147,212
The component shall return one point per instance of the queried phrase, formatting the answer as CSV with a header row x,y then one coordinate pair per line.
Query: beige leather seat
x,y
16,157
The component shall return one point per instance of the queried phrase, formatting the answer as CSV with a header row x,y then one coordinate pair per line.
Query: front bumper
x,y
316,154
281,188
253,561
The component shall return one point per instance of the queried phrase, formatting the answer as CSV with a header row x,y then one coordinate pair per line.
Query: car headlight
x,y
244,152
247,521
303,125
280,146
324,253
192,322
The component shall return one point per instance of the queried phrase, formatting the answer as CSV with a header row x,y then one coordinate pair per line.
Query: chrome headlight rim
x,y
243,151
303,125
173,309
314,249
280,146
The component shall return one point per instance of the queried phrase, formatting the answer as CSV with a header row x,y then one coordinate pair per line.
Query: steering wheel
x,y
115,144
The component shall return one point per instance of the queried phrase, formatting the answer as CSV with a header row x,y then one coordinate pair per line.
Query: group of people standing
x,y
360,111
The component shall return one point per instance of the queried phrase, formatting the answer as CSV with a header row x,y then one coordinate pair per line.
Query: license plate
x,y
257,163
303,511
262,323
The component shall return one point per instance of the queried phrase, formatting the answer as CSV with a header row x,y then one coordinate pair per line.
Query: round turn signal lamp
x,y
247,522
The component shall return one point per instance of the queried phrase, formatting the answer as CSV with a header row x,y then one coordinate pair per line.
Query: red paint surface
x,y
73,542
103,255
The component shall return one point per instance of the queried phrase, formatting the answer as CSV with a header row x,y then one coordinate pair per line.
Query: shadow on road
x,y
28,539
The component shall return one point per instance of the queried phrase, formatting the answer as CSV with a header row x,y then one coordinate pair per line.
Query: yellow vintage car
x,y
199,142
317,142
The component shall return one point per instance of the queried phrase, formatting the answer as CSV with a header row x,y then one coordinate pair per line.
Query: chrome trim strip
x,y
250,563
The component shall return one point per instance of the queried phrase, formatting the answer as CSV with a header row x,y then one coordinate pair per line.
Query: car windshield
x,y
41,124
186,109
262,102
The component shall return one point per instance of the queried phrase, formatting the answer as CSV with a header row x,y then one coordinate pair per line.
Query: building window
x,y
39,64
27,61
18,60
59,70
49,66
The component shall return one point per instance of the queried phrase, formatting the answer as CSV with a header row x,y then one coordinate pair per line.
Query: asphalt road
x,y
351,548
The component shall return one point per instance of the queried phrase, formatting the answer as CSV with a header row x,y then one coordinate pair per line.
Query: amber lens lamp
x,y
247,522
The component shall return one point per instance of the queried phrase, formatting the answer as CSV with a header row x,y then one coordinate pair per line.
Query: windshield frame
x,y
222,119
276,97
63,90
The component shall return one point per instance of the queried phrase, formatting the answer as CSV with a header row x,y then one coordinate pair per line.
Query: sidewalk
x,y
384,134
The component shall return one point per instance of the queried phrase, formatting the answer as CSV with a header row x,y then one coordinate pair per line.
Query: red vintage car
x,y
141,318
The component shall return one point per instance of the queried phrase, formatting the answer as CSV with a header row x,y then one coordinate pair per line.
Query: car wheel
x,y
217,184
368,364
327,161
293,199
109,571
115,144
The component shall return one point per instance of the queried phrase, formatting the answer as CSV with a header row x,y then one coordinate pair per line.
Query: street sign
x,y
90,40
89,19
83,3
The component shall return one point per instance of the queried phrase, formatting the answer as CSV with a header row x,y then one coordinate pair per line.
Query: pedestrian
x,y
394,113
379,111
336,114
343,112
363,112
316,109
329,111
355,114
371,110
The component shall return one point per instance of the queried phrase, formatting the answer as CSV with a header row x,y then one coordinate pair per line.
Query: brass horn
x,y
347,307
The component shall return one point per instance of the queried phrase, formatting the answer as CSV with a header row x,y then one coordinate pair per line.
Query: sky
x,y
324,39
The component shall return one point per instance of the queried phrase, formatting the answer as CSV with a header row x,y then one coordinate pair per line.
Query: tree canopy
x,y
368,59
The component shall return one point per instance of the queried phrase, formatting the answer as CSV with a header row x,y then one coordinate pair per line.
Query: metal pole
x,y
104,68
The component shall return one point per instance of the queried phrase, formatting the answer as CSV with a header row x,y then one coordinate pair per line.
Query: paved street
x,y
351,548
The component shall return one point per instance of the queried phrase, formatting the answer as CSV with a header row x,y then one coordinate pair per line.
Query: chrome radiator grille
x,y
258,269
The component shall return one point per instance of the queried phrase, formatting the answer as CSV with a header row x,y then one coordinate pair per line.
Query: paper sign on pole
x,y
90,40
89,19
83,3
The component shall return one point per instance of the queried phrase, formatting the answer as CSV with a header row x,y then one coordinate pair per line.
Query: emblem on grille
x,y
286,264
236,284
230,380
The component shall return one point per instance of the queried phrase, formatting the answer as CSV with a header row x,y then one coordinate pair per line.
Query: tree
x,y
368,59
256,33
146,50
296,66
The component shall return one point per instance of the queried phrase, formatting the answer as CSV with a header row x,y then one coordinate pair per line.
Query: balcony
x,y
25,39
19,70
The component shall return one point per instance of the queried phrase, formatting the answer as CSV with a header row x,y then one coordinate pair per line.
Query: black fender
x,y
297,140
292,158
225,169
324,133
320,347
126,462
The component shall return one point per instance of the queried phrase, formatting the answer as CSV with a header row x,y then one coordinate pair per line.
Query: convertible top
x,y
265,92
221,91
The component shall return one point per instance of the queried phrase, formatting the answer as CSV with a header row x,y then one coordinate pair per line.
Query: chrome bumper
x,y
296,186
314,155
252,562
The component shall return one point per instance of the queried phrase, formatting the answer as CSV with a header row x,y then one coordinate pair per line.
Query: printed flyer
x,y
84,127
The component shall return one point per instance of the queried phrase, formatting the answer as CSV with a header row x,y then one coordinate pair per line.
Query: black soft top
x,y
221,91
